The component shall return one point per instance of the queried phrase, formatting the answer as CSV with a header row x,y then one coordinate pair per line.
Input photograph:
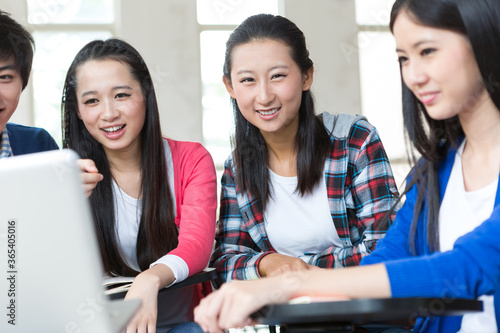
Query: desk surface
x,y
360,311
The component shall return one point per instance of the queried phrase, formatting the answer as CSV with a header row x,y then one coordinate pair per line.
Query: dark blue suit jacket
x,y
27,140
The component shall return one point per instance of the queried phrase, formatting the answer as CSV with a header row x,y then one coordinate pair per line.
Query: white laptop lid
x,y
51,271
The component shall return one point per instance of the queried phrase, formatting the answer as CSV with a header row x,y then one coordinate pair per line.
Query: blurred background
x,y
183,43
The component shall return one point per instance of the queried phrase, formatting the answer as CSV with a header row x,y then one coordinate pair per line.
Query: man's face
x,y
11,86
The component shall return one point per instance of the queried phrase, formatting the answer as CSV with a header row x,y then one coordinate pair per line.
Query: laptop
x,y
50,266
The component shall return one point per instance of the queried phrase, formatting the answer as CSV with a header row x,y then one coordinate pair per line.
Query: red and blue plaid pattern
x,y
361,189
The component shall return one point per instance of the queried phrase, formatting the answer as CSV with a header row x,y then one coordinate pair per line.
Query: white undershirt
x,y
460,213
127,218
296,224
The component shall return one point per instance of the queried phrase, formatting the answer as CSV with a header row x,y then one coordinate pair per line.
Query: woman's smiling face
x,y
267,84
439,67
111,104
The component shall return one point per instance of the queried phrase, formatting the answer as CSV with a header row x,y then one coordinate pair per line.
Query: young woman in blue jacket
x,y
444,242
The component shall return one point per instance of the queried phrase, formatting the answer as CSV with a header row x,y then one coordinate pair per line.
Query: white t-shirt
x,y
460,213
296,224
173,305
127,218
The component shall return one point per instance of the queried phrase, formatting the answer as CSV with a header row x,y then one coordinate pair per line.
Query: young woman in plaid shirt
x,y
299,191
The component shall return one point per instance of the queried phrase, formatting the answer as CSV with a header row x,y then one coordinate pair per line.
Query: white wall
x,y
166,34
171,49
329,25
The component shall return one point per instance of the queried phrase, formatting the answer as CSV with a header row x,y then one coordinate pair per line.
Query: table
x,y
208,274
339,316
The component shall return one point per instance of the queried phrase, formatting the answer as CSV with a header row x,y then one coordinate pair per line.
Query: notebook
x,y
50,266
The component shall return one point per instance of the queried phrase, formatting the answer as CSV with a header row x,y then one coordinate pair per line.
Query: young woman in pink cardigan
x,y
153,199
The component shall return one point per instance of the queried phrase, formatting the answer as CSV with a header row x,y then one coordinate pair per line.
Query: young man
x,y
16,57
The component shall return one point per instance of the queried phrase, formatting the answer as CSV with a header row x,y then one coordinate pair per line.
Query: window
x,y
217,18
380,79
62,28
71,12
232,12
217,109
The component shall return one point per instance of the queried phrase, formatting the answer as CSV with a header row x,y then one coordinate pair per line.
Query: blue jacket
x,y
470,270
27,140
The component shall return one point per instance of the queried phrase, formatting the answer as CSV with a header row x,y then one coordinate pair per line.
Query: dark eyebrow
x,y
122,87
278,66
417,44
8,67
92,92
243,71
270,69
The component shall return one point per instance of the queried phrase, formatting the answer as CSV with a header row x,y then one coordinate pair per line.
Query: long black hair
x,y
479,21
312,142
157,231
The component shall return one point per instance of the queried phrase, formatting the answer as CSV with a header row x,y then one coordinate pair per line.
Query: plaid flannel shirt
x,y
360,187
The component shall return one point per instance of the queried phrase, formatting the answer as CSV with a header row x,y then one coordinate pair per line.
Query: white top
x,y
460,213
127,218
296,224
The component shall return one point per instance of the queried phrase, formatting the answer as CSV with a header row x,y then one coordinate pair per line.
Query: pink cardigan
x,y
196,203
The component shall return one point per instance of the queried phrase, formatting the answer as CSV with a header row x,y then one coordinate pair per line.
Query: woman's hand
x,y
145,287
275,264
232,305
90,175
